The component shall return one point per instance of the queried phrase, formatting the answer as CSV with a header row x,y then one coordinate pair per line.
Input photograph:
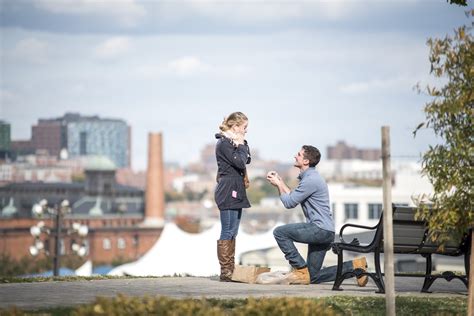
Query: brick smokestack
x,y
155,193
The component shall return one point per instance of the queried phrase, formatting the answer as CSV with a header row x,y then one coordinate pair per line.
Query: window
x,y
375,210
351,210
106,244
107,188
62,247
83,143
121,243
400,204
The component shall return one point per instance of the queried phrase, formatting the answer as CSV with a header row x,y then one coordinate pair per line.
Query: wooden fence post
x,y
388,224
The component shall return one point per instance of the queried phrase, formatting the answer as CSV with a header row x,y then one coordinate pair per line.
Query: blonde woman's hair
x,y
236,118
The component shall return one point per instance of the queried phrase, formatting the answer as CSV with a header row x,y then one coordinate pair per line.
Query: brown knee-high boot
x,y
225,254
232,254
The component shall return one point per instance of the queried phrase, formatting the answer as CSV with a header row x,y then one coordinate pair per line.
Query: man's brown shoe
x,y
361,263
299,276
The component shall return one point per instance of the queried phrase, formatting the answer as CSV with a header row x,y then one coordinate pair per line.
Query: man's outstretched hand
x,y
274,178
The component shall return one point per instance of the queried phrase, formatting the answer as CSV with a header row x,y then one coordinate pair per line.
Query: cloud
x,y
234,70
8,100
127,12
78,88
275,11
192,66
7,96
187,66
31,50
378,84
218,16
402,83
113,47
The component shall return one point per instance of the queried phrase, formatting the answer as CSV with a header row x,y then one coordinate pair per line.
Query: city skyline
x,y
303,72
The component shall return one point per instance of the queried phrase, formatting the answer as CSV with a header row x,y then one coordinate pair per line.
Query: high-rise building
x,y
51,134
95,136
5,136
84,135
47,135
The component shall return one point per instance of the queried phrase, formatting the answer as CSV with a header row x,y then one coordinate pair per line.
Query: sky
x,y
304,72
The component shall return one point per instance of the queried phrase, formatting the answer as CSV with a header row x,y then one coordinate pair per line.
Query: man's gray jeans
x,y
319,242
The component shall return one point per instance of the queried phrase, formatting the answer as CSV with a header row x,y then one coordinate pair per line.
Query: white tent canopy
x,y
85,269
182,253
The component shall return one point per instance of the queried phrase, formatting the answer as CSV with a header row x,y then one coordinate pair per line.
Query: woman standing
x,y
232,155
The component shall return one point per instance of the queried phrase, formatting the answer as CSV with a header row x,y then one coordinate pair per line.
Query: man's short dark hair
x,y
312,154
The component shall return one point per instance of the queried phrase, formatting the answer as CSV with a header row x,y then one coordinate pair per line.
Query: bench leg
x,y
447,275
378,279
429,279
467,260
339,276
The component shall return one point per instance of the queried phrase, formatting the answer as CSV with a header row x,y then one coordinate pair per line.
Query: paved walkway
x,y
53,294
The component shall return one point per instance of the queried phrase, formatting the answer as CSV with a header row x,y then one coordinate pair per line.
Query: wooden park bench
x,y
410,236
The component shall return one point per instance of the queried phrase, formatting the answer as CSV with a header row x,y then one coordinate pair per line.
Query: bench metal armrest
x,y
356,226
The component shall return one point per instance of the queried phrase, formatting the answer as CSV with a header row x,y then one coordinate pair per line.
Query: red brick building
x,y
48,136
122,226
109,238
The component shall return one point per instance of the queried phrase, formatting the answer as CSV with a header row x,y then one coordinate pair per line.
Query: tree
x,y
449,165
458,2
450,113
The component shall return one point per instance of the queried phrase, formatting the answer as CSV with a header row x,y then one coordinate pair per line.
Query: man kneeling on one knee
x,y
318,231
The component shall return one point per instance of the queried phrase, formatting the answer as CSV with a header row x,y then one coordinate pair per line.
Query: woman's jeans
x,y
230,221
319,242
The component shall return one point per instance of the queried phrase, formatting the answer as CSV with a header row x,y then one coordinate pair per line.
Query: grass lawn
x,y
334,305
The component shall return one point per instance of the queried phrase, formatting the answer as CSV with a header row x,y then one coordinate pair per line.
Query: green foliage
x,y
71,261
411,305
123,305
78,177
171,196
260,188
255,195
28,265
458,2
283,306
59,311
334,305
118,261
449,165
186,195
